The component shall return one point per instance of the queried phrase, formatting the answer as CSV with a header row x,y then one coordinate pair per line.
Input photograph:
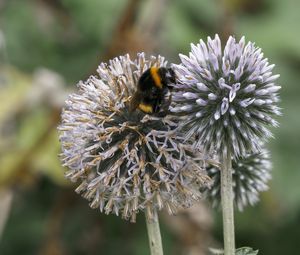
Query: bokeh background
x,y
47,46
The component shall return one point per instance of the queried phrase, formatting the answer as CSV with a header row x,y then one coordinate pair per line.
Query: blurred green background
x,y
47,46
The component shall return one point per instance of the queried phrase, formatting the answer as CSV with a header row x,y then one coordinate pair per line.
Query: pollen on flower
x,y
125,161
228,98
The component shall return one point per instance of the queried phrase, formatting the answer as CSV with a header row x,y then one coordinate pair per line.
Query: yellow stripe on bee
x,y
156,77
146,108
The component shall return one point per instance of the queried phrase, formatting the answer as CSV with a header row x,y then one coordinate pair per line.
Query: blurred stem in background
x,y
137,29
52,243
227,18
6,196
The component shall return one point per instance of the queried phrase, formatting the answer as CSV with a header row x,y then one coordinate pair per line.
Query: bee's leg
x,y
165,106
156,105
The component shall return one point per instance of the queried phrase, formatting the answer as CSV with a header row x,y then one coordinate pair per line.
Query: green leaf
x,y
239,251
245,251
214,251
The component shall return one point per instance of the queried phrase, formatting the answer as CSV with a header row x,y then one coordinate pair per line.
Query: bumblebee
x,y
153,90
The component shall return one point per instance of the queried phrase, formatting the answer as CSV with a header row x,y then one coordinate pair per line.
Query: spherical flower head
x,y
250,175
227,97
126,161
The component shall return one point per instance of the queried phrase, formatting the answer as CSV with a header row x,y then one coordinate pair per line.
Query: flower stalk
x,y
227,204
154,235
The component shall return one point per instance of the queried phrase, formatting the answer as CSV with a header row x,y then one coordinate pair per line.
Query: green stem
x,y
227,204
154,235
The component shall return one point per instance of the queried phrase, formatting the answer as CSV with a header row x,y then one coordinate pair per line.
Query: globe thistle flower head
x,y
228,97
126,161
250,175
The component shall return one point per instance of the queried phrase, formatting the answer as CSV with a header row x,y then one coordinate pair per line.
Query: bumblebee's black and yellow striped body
x,y
152,91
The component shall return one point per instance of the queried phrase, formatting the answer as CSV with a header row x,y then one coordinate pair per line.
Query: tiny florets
x,y
126,161
227,97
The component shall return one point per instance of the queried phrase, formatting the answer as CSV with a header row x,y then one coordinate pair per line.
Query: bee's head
x,y
169,76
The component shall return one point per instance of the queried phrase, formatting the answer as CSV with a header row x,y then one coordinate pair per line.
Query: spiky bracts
x,y
250,175
126,161
227,97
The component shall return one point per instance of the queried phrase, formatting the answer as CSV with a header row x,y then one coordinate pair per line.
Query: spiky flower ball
x,y
126,161
228,97
250,175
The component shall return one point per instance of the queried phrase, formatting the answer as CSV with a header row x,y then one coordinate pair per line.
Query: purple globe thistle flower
x,y
250,175
126,161
228,98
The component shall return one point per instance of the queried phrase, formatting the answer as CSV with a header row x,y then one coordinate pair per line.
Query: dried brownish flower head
x,y
126,161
